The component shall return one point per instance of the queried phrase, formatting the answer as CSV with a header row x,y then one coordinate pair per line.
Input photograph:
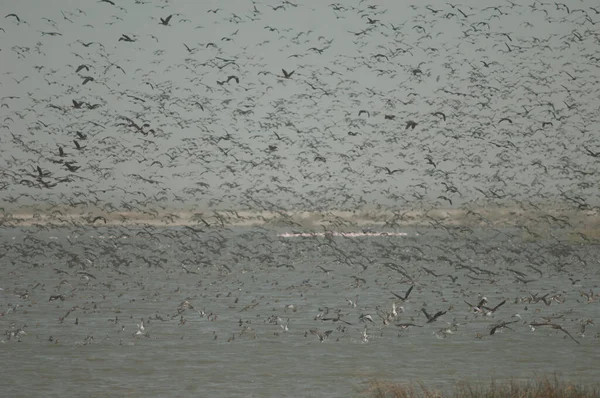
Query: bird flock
x,y
123,108
142,106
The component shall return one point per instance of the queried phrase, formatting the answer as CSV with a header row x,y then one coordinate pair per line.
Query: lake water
x,y
215,304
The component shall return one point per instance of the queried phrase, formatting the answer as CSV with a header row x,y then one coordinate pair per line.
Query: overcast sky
x,y
504,97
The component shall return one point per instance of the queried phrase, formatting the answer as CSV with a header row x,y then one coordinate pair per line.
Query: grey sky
x,y
534,64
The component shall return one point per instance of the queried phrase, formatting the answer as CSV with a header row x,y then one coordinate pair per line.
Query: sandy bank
x,y
496,217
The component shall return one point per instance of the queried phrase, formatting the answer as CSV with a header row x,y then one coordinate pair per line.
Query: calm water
x,y
216,327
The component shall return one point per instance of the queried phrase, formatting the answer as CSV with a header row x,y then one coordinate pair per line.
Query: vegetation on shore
x,y
538,387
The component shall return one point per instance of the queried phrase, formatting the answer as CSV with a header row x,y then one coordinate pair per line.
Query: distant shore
x,y
334,220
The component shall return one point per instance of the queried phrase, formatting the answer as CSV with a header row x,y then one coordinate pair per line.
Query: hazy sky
x,y
516,88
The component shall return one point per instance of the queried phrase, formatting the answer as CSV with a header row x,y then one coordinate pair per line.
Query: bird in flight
x,y
14,16
286,74
592,154
500,325
405,294
126,38
82,66
78,146
492,310
390,172
431,318
321,335
554,326
440,114
166,20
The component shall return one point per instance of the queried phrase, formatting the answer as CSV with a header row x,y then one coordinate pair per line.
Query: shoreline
x,y
338,220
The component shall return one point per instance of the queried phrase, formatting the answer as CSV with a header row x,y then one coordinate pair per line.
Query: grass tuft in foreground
x,y
539,387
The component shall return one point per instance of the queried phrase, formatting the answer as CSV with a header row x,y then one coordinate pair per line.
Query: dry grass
x,y
538,387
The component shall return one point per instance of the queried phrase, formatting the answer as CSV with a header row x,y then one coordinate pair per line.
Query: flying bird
x,y
79,147
14,16
166,20
82,66
286,74
411,124
405,297
388,171
431,318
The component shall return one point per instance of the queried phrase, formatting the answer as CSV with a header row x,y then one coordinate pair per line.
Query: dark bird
x,y
87,79
98,218
71,168
431,318
126,38
77,104
15,16
337,318
61,153
492,310
505,119
79,147
500,325
411,124
557,327
479,306
40,172
82,66
430,161
592,154
405,294
440,114
166,20
390,172
445,198
363,111
81,136
286,74
232,77
107,1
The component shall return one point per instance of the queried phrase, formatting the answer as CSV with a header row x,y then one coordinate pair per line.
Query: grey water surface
x,y
214,306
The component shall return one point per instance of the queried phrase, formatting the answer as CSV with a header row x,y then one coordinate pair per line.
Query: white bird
x,y
354,303
365,336
141,328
